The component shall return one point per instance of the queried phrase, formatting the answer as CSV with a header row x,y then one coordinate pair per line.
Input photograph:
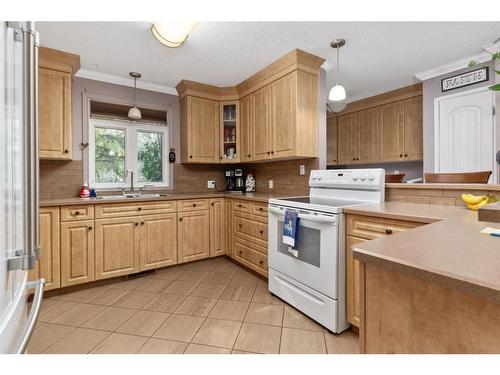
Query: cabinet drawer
x,y
247,254
250,228
369,228
193,205
72,213
241,206
259,209
111,210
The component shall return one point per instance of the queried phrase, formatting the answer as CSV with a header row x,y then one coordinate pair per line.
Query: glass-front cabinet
x,y
229,132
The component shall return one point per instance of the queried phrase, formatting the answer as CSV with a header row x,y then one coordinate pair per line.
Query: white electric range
x,y
313,278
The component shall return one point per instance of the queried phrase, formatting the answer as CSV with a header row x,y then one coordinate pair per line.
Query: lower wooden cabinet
x,y
352,282
77,252
228,226
48,265
217,230
158,243
193,235
117,244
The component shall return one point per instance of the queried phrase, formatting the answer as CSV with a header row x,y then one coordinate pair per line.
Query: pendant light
x,y
134,112
337,93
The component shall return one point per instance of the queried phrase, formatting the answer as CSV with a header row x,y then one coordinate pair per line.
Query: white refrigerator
x,y
19,244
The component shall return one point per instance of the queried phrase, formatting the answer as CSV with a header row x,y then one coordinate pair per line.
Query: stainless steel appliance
x,y
19,243
312,278
235,180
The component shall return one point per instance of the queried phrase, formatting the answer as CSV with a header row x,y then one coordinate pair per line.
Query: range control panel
x,y
371,179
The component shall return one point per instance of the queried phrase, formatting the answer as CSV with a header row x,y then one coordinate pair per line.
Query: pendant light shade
x,y
172,33
337,92
134,112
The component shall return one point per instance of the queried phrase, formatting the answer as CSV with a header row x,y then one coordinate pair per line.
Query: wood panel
x,y
251,255
369,227
368,133
228,226
347,139
251,228
193,205
307,123
391,120
77,213
58,60
352,282
193,236
77,252
246,139
284,116
54,111
117,244
158,241
413,132
331,141
217,228
112,210
261,124
48,266
203,130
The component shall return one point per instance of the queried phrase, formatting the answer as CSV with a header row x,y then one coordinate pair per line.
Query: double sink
x,y
131,196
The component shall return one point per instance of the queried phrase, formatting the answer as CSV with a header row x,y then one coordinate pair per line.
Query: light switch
x,y
302,169
211,184
271,184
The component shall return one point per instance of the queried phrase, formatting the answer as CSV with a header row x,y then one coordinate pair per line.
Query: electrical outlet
x,y
211,184
302,169
396,171
271,184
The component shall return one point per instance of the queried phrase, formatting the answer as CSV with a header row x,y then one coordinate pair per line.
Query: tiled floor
x,y
210,306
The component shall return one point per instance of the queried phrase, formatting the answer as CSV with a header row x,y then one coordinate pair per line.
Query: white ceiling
x,y
378,56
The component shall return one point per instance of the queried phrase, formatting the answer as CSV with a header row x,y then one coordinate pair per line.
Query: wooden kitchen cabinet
x,y
193,235
331,141
77,252
368,136
117,244
48,266
217,229
413,132
228,226
199,130
261,123
158,241
391,119
347,139
353,295
284,116
246,139
229,131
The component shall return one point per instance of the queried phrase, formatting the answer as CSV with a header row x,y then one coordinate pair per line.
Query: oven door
x,y
316,264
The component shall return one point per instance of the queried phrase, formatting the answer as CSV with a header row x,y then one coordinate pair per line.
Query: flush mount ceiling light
x,y
337,93
134,112
172,33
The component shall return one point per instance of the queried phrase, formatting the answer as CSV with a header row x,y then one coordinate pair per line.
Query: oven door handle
x,y
315,218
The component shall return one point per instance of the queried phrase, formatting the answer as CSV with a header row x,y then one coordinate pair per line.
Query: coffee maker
x,y
235,180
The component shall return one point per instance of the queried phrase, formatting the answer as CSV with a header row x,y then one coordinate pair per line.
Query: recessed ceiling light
x,y
172,33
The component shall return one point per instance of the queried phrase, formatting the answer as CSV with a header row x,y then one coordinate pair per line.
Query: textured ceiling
x,y
378,56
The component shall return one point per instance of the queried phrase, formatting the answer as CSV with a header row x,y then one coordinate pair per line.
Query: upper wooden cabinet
x,y
391,117
413,139
347,136
331,141
56,70
276,114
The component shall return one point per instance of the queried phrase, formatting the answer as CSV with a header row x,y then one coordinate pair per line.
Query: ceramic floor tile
x,y
47,335
205,349
216,332
193,275
179,328
78,315
229,310
246,279
235,351
135,300
154,285
218,278
181,287
208,290
80,341
129,284
118,343
144,323
225,266
293,318
52,308
259,338
345,343
81,296
238,293
165,303
265,314
169,273
158,346
198,306
202,266
108,297
262,295
110,319
298,341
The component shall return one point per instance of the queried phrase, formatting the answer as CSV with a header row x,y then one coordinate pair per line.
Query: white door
x,y
464,132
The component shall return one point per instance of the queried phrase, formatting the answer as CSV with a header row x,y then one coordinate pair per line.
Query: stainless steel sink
x,y
128,196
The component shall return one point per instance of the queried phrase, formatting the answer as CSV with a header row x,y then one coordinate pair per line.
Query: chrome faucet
x,y
144,187
132,191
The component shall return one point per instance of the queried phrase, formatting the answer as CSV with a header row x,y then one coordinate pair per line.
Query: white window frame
x,y
131,129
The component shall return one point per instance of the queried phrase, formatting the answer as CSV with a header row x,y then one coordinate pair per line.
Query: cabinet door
x,y
203,132
228,226
369,145
116,247
77,252
246,141
54,107
353,282
391,117
217,230
347,139
229,132
261,123
413,149
331,141
48,264
284,116
158,241
193,236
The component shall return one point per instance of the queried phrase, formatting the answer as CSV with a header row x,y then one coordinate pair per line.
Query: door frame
x,y
437,102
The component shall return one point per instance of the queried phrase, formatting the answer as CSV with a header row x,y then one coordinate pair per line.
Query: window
x,y
117,147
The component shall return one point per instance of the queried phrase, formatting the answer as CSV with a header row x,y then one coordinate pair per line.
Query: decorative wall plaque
x,y
465,79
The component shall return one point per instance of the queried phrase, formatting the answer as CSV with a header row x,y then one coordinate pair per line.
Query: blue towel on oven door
x,y
291,228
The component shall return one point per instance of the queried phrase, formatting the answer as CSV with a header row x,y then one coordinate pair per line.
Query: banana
x,y
477,206
473,199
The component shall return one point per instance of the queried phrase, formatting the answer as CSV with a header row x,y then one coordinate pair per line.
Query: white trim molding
x,y
481,57
125,81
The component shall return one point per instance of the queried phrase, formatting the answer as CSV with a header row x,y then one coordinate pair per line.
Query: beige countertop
x,y
448,249
480,187
257,197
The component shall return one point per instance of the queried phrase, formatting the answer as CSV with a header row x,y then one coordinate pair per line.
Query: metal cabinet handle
x,y
139,208
212,204
240,252
272,152
77,212
240,225
388,231
239,205
261,231
194,204
249,155
190,156
260,208
136,224
66,151
180,219
90,228
406,155
34,312
261,261
269,152
400,155
142,222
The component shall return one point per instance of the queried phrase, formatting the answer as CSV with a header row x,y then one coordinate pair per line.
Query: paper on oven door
x,y
293,251
290,228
